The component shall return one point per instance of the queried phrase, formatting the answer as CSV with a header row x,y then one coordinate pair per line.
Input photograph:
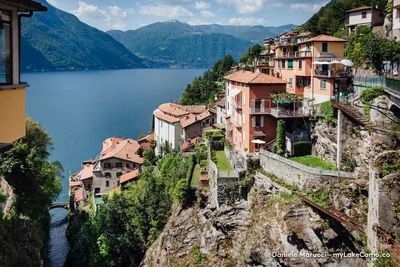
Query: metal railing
x,y
330,73
294,137
298,54
367,81
286,42
286,113
393,84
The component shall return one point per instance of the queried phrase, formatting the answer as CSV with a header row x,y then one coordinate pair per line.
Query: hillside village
x,y
294,162
295,125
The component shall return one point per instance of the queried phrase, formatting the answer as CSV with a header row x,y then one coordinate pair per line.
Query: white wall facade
x,y
221,113
396,22
166,131
355,18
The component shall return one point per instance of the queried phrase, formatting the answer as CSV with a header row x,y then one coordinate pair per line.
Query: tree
x,y
181,191
280,144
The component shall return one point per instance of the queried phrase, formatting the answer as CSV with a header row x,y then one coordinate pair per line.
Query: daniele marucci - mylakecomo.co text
x,y
339,255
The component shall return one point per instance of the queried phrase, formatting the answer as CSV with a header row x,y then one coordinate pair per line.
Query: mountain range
x,y
57,40
180,45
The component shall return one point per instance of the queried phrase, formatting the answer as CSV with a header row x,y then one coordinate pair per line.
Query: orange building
x,y
249,107
313,67
12,89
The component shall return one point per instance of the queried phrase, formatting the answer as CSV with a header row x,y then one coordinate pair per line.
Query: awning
x,y
259,134
321,63
347,62
235,92
336,61
258,141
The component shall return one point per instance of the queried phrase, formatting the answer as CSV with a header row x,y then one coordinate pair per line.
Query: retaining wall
x,y
306,178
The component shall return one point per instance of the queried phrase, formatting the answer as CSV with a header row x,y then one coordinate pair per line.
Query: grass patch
x,y
314,162
222,162
196,177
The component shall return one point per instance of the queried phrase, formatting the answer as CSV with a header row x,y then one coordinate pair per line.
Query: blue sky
x,y
132,14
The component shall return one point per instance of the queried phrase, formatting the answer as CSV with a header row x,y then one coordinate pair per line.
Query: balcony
x,y
333,74
236,104
260,106
298,54
236,121
288,42
280,112
263,63
326,55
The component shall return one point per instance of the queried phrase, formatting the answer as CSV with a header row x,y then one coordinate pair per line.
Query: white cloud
x,y
207,14
86,12
244,6
307,7
166,11
198,22
247,21
120,13
202,5
52,2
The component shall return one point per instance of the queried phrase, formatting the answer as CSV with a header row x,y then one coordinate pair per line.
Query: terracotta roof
x,y
110,143
173,109
196,109
128,176
147,138
212,110
78,195
221,103
75,183
188,144
303,34
359,8
219,126
145,145
87,171
191,119
159,114
253,78
125,150
324,38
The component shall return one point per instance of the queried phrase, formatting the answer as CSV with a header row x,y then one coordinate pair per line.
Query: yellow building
x,y
313,67
12,89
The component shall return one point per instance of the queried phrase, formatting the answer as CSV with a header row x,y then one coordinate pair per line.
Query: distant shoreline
x,y
82,70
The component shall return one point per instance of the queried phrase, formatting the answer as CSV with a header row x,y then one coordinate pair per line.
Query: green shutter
x,y
290,63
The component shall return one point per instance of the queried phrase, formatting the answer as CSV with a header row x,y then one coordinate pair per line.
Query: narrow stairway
x,y
352,112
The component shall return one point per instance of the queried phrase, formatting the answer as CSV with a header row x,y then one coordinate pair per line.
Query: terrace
x,y
298,54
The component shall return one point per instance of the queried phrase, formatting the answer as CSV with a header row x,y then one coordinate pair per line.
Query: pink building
x,y
250,112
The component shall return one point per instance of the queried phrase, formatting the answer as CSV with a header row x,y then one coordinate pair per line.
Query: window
x,y
119,174
324,47
299,81
300,64
308,82
118,164
5,47
107,165
258,121
290,63
279,63
128,165
364,15
107,174
290,83
283,63
107,183
323,84
308,47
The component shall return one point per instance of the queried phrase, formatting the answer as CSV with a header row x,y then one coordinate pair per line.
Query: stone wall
x,y
265,184
306,178
383,197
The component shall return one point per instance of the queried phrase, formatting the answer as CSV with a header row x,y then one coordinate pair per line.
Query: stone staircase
x,y
352,113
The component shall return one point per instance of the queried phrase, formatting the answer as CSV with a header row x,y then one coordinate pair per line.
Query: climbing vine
x,y
280,144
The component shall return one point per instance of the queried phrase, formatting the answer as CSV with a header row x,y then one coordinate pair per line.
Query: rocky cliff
x,y
257,232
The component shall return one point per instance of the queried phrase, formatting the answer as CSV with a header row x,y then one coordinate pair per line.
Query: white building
x,y
364,16
396,20
221,114
171,124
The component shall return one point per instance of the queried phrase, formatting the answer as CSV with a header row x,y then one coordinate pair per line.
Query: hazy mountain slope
x,y
67,43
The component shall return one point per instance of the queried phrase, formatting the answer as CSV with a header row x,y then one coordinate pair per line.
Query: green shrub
x,y
327,111
203,163
302,148
201,152
389,163
280,144
181,191
191,164
368,95
348,163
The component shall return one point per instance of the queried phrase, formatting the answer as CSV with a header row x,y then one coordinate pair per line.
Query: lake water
x,y
81,109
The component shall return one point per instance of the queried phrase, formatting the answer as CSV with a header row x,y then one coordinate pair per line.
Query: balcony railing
x,y
286,42
287,113
260,106
236,104
298,54
332,74
295,137
236,121
327,55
